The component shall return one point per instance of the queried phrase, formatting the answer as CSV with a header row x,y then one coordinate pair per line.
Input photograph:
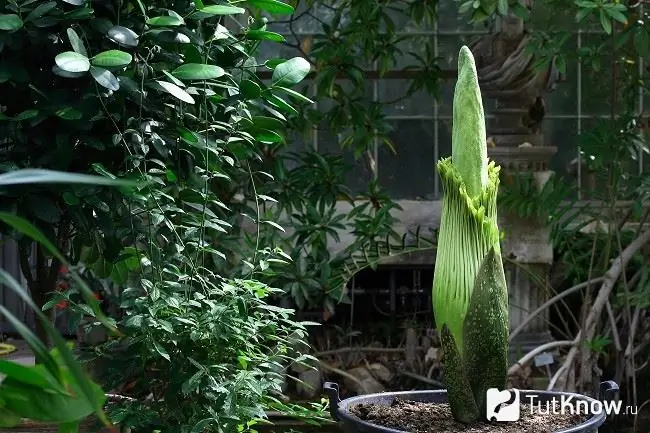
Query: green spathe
x,y
469,150
470,297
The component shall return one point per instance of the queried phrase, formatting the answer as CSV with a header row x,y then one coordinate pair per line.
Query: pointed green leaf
x,y
175,91
112,59
291,72
273,6
221,10
197,71
293,94
459,392
35,175
250,89
485,330
70,61
263,35
165,21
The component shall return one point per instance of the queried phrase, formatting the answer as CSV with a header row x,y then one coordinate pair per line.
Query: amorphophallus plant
x,y
470,298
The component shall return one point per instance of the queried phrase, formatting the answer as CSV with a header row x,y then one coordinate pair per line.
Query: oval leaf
x,y
262,35
70,61
76,42
221,10
123,36
112,59
291,72
105,78
273,6
40,10
197,71
10,22
175,91
165,21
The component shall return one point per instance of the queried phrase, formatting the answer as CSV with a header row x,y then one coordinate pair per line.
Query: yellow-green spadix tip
x,y
468,142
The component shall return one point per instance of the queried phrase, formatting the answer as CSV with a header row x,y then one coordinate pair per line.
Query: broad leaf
x,y
197,71
221,10
112,59
291,72
10,22
76,42
272,6
105,78
40,10
70,61
123,36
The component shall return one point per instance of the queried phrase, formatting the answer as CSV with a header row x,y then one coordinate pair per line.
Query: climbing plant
x,y
167,95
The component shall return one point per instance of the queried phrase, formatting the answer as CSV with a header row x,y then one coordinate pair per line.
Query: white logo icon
x,y
502,405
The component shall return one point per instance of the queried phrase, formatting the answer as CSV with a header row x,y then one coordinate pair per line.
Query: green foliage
x,y
167,96
56,390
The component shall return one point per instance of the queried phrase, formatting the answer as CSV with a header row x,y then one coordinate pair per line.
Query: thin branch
x,y
610,278
536,351
550,302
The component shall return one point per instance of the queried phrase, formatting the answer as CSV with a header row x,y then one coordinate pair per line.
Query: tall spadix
x,y
470,298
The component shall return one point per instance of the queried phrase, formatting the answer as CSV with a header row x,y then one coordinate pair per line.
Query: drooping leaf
x,y
70,61
76,42
10,22
293,94
175,91
197,71
105,78
112,59
76,2
291,72
36,376
36,175
273,6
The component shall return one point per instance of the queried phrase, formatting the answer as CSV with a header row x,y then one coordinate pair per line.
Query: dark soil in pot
x,y
419,417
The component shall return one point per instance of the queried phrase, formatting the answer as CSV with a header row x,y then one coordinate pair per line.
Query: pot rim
x,y
338,408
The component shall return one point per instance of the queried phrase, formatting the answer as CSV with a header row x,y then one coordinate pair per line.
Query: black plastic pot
x,y
351,424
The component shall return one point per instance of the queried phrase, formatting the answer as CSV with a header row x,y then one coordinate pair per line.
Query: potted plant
x,y
470,303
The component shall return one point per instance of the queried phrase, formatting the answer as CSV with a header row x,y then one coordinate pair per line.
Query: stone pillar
x,y
527,251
